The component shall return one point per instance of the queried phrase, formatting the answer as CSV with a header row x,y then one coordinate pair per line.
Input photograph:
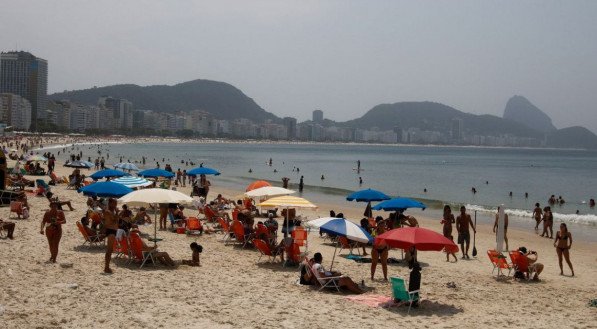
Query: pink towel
x,y
371,300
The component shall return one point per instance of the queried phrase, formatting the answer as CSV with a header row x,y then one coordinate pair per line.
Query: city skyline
x,y
293,58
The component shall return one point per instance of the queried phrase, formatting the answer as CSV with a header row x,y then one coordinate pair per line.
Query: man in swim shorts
x,y
463,222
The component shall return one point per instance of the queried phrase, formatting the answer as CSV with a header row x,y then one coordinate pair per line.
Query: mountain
x,y
436,117
222,100
519,109
572,137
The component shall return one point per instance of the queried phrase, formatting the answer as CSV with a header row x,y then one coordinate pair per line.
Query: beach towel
x,y
372,300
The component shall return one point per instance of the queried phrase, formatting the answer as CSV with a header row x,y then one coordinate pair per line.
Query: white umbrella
x,y
126,166
268,191
132,182
316,223
154,196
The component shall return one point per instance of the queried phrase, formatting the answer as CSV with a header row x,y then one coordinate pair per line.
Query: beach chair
x,y
264,249
261,232
239,233
299,235
521,264
330,282
17,208
234,214
498,261
137,251
92,240
225,229
122,248
210,215
174,221
194,226
294,253
400,292
347,244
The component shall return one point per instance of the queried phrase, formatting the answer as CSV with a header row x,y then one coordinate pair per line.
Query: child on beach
x,y
196,249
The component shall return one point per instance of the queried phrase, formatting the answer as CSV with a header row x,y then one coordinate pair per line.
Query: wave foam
x,y
586,219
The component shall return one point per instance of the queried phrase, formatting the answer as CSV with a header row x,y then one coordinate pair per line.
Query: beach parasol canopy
x,y
202,171
107,173
36,157
132,182
398,204
420,238
346,228
316,223
367,195
257,184
268,191
79,164
126,166
287,202
105,190
154,173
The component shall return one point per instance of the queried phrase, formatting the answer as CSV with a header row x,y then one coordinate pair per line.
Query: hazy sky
x,y
342,57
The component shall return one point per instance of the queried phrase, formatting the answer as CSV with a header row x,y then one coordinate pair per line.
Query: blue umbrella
x,y
107,173
398,204
202,171
126,166
367,195
345,228
157,172
105,190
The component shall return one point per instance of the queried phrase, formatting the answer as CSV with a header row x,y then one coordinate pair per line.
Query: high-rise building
x,y
457,135
318,116
23,74
122,111
15,111
290,124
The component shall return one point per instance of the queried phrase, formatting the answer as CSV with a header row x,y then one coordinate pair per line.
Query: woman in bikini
x,y
53,220
547,223
563,243
379,250
447,221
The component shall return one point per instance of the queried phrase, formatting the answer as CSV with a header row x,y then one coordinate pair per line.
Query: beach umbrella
x,y
257,184
154,196
288,202
202,171
107,173
316,223
368,196
79,164
36,157
105,190
420,238
345,228
398,204
126,166
155,173
268,191
132,182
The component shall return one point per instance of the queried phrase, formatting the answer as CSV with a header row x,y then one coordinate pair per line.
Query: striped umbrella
x,y
132,182
126,166
345,228
288,201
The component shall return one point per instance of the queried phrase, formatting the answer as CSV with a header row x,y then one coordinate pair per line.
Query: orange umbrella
x,y
257,184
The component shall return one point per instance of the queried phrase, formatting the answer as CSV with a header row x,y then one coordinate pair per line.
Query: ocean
x,y
447,173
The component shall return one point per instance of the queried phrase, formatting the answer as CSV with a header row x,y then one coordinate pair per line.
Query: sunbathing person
x,y
142,217
196,249
343,281
9,227
51,198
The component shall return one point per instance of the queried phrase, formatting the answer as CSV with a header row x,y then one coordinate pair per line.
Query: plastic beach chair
x,y
194,226
399,292
137,250
346,244
265,250
326,281
239,233
92,240
498,261
225,229
521,264
122,248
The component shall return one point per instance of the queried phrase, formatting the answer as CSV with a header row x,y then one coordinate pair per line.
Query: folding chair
x,y
326,281
499,262
400,292
137,250
521,263
346,244
225,229
239,233
265,250
17,208
93,240
193,226
299,234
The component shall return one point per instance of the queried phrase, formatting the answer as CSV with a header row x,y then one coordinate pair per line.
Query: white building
x,y
15,111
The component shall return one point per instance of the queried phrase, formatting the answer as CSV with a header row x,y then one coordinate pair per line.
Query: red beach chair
x,y
498,261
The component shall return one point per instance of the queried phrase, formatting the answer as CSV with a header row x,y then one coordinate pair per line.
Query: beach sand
x,y
232,290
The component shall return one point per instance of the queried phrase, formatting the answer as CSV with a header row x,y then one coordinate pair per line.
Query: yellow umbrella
x,y
288,201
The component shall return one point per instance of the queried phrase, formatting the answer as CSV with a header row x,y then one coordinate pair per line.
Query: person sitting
x,y
142,217
343,281
221,202
196,249
272,225
91,232
125,218
9,227
51,198
161,256
532,260
408,221
92,202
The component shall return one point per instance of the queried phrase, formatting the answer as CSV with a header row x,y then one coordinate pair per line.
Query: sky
x,y
342,57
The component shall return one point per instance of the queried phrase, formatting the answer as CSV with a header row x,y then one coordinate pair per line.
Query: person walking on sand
x,y
111,226
463,222
537,214
53,220
495,226
563,243
447,221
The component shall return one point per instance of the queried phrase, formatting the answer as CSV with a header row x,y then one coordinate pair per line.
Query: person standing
x,y
53,220
547,223
447,221
184,178
379,252
205,184
111,226
495,226
563,243
301,184
537,214
285,181
463,224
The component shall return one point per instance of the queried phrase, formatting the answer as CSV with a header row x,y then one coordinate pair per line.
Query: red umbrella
x,y
257,184
422,239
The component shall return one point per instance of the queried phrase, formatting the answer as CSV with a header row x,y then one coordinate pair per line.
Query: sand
x,y
232,290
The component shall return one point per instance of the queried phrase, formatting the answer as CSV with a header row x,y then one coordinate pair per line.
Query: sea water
x,y
448,174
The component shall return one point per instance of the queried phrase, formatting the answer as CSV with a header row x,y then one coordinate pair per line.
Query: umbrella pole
x,y
334,257
155,226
